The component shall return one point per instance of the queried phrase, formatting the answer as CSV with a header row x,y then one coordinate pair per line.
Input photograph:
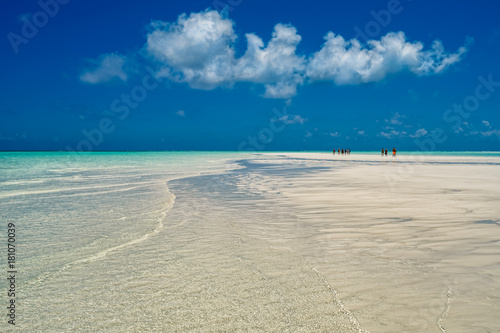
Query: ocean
x,y
231,241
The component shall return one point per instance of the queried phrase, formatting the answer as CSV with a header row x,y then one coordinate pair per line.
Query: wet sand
x,y
282,242
410,243
191,269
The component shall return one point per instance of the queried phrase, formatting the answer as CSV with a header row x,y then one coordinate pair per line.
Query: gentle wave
x,y
101,254
62,190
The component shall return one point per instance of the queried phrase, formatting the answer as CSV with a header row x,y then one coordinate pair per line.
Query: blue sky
x,y
257,75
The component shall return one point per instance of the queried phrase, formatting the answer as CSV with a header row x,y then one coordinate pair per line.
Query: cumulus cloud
x,y
106,68
181,113
199,49
486,123
276,65
350,62
437,59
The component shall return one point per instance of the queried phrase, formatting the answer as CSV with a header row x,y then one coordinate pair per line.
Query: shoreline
x,y
270,241
429,227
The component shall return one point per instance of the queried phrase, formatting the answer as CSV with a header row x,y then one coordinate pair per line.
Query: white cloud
x,y
308,134
437,60
108,67
288,121
276,65
395,119
361,132
350,62
199,50
461,129
392,134
420,132
385,135
181,113
335,135
486,123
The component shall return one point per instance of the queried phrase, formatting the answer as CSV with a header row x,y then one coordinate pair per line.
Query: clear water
x,y
138,242
209,242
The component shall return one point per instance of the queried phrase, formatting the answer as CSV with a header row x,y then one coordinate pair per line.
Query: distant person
x,y
339,151
386,152
333,151
382,153
349,151
393,152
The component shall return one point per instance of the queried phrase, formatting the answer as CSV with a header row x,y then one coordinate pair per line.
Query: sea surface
x,y
177,242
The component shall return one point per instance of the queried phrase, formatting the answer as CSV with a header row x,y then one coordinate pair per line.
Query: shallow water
x,y
205,242
123,243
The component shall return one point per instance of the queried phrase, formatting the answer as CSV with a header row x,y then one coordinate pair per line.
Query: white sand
x,y
358,242
411,244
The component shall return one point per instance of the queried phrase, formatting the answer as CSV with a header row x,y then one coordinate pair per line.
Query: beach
x,y
258,242
410,243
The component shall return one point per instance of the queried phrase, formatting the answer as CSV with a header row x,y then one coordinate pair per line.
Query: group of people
x,y
384,152
348,152
343,151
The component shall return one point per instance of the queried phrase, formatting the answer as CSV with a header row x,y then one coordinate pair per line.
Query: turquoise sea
x,y
139,242
164,241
